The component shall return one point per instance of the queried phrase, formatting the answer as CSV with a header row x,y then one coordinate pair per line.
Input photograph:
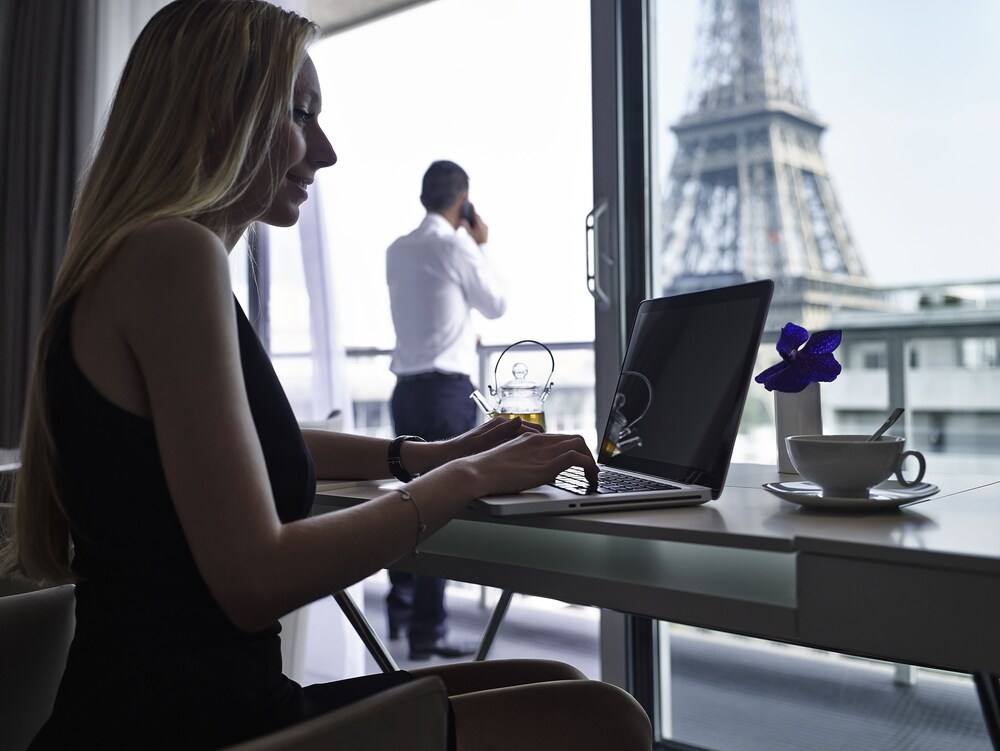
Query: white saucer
x,y
889,494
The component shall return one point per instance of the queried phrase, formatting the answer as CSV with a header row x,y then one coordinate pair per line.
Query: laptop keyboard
x,y
608,481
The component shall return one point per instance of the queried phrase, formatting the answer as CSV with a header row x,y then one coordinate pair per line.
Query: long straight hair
x,y
205,87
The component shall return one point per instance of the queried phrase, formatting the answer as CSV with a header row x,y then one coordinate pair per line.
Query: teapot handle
x,y
548,381
649,394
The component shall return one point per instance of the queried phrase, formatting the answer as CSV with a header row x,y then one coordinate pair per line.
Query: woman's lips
x,y
299,185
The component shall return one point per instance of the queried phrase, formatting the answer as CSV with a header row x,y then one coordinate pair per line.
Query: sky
x,y
908,90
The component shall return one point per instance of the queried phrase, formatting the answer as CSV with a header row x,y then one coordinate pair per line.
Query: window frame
x,y
621,263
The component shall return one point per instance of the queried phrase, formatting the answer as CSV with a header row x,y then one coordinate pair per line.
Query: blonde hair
x,y
205,87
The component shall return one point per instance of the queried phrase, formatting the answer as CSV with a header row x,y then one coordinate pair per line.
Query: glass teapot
x,y
518,397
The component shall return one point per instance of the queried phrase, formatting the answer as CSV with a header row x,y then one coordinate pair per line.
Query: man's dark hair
x,y
443,182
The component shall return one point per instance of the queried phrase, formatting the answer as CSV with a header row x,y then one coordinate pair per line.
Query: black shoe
x,y
394,633
443,647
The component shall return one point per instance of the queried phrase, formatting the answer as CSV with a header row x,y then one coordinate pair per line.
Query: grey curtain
x,y
330,389
47,57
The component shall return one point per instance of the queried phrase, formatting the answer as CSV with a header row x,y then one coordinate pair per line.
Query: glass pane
x,y
371,386
856,181
288,300
857,177
513,108
734,693
954,401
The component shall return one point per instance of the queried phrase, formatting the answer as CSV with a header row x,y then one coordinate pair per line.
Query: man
x,y
437,275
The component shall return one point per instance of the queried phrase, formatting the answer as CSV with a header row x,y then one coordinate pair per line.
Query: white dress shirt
x,y
437,276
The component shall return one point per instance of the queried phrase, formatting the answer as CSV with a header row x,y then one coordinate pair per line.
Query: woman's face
x,y
301,149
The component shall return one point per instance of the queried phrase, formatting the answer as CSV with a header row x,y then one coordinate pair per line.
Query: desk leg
x,y
643,657
496,618
988,688
368,636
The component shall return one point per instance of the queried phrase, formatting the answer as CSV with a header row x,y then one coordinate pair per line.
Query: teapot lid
x,y
520,385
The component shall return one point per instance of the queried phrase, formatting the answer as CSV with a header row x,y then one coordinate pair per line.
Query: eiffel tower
x,y
750,194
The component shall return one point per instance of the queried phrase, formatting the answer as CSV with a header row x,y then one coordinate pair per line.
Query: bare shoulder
x,y
170,277
171,249
165,289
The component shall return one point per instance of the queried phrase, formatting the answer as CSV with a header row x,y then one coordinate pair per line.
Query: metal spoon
x,y
887,424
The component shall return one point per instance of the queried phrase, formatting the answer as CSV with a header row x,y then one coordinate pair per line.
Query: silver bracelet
x,y
421,527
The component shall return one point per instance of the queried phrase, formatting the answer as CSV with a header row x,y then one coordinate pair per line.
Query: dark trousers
x,y
434,406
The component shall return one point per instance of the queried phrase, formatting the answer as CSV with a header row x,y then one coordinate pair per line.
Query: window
x,y
979,352
854,179
778,155
513,108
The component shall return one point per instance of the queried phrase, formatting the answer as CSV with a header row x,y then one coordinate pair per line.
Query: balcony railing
x,y
944,370
569,409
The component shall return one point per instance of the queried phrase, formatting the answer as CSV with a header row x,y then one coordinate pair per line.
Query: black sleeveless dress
x,y
154,662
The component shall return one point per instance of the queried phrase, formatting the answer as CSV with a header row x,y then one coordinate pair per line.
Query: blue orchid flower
x,y
798,368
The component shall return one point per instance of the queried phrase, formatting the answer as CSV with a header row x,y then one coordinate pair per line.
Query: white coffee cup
x,y
848,466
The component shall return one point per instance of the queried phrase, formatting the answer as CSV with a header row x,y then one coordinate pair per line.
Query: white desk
x,y
919,586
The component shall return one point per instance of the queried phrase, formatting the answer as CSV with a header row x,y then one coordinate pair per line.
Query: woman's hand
x,y
419,458
528,460
489,435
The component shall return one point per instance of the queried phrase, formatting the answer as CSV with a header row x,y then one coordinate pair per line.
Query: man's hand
x,y
478,231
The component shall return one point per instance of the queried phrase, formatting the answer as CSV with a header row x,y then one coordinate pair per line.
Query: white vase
x,y
796,414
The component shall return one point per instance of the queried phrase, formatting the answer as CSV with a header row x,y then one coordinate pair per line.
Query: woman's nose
x,y
322,153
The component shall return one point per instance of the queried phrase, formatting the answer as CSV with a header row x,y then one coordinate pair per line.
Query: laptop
x,y
676,409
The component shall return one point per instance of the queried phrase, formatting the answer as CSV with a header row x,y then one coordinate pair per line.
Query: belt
x,y
432,375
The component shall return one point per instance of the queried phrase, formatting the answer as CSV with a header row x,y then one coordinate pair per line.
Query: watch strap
x,y
395,463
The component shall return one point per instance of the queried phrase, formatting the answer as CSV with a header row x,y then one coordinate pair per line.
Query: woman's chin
x,y
281,216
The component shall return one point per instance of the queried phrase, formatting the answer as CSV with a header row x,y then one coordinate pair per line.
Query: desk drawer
x,y
943,618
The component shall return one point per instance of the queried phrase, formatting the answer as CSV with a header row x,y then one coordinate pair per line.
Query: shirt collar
x,y
435,220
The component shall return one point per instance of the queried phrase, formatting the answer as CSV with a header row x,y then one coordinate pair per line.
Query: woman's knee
x,y
579,714
545,670
616,713
464,677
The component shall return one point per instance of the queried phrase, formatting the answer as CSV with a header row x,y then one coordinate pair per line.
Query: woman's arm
x,y
341,456
173,307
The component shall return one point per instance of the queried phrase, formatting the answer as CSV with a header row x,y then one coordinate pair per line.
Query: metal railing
x,y
953,406
570,407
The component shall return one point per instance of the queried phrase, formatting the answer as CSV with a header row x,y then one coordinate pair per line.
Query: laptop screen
x,y
683,384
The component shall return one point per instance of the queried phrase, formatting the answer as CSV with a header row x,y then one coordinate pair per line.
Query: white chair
x,y
36,627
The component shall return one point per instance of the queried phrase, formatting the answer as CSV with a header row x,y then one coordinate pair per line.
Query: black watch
x,y
395,465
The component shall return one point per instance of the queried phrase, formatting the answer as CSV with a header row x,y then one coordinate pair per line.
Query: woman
x,y
162,469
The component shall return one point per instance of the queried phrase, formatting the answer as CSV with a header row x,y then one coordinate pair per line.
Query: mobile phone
x,y
468,213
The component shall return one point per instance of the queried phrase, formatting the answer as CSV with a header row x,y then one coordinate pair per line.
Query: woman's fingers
x,y
533,459
530,427
515,455
503,429
482,438
575,454
582,459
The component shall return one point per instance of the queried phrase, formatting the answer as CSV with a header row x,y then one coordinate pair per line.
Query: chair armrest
x,y
36,628
413,716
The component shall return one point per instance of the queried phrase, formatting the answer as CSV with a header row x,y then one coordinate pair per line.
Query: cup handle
x,y
920,473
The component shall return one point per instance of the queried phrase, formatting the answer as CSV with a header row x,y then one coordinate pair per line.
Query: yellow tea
x,y
538,418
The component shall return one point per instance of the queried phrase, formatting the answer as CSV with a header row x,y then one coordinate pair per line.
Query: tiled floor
x,y
731,693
